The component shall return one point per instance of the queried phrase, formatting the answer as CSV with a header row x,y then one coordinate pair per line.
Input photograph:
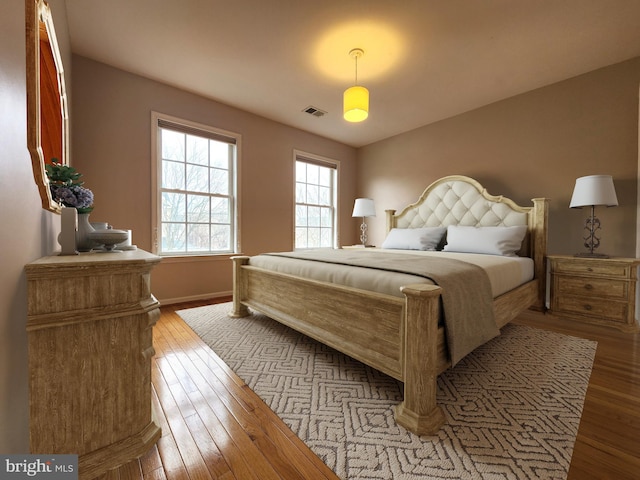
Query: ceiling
x,y
424,60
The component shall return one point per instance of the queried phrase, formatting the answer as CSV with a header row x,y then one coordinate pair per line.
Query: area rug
x,y
512,406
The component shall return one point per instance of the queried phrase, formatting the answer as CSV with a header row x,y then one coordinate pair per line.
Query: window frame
x,y
299,155
157,119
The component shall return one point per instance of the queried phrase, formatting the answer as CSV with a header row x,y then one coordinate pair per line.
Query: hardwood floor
x,y
214,426
608,441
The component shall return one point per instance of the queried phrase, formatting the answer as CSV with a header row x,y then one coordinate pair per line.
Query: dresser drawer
x,y
614,311
602,267
592,287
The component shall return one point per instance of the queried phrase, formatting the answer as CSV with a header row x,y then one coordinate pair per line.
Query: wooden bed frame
x,y
399,336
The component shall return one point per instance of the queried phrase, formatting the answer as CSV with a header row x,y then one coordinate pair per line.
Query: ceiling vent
x,y
316,112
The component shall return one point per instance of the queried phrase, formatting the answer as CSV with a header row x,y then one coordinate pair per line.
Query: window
x,y
196,193
316,199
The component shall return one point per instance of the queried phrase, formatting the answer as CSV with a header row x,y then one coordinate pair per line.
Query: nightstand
x,y
595,290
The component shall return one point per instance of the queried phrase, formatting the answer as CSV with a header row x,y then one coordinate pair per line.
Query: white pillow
x,y
491,240
426,238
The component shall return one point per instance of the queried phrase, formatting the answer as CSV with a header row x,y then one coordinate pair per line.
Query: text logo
x,y
39,467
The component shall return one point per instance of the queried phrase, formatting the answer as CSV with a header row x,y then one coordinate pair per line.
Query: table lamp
x,y
363,207
592,191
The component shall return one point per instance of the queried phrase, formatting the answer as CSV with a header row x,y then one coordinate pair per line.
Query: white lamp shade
x,y
356,104
364,207
594,190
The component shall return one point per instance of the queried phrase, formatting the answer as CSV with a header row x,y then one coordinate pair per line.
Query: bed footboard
x,y
398,336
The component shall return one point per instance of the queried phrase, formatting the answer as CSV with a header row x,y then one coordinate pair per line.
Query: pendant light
x,y
356,98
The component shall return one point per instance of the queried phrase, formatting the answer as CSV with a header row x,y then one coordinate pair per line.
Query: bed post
x,y
539,227
390,219
419,412
239,308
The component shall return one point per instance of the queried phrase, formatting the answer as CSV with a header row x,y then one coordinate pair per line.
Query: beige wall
x,y
531,145
28,232
112,148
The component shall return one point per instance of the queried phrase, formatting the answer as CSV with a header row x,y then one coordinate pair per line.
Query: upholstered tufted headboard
x,y
460,200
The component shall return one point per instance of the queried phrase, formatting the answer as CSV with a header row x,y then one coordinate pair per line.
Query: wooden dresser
x,y
90,344
595,290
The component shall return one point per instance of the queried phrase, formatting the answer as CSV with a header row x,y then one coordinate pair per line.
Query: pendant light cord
x,y
356,69
355,54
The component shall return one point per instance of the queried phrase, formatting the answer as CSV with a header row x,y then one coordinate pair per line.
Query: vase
x,y
83,242
67,235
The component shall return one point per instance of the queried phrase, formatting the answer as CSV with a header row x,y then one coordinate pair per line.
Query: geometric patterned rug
x,y
512,406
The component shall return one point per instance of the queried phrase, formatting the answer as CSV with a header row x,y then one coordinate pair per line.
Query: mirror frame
x,y
47,95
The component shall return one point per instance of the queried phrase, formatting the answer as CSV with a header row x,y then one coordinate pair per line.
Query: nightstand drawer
x,y
610,269
593,287
613,311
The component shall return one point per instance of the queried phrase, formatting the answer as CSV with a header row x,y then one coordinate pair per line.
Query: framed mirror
x,y
47,111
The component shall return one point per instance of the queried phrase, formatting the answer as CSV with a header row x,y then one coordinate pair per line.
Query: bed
x,y
402,333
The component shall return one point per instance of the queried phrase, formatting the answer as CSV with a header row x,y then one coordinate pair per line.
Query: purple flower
x,y
73,196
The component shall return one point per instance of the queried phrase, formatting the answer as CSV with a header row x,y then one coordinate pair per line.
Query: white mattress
x,y
505,273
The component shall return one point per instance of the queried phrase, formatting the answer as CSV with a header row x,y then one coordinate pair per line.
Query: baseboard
x,y
192,298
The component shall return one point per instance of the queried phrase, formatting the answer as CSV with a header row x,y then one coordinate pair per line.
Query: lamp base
x,y
591,255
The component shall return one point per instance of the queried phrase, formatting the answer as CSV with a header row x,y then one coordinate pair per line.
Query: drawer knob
x,y
588,286
587,307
